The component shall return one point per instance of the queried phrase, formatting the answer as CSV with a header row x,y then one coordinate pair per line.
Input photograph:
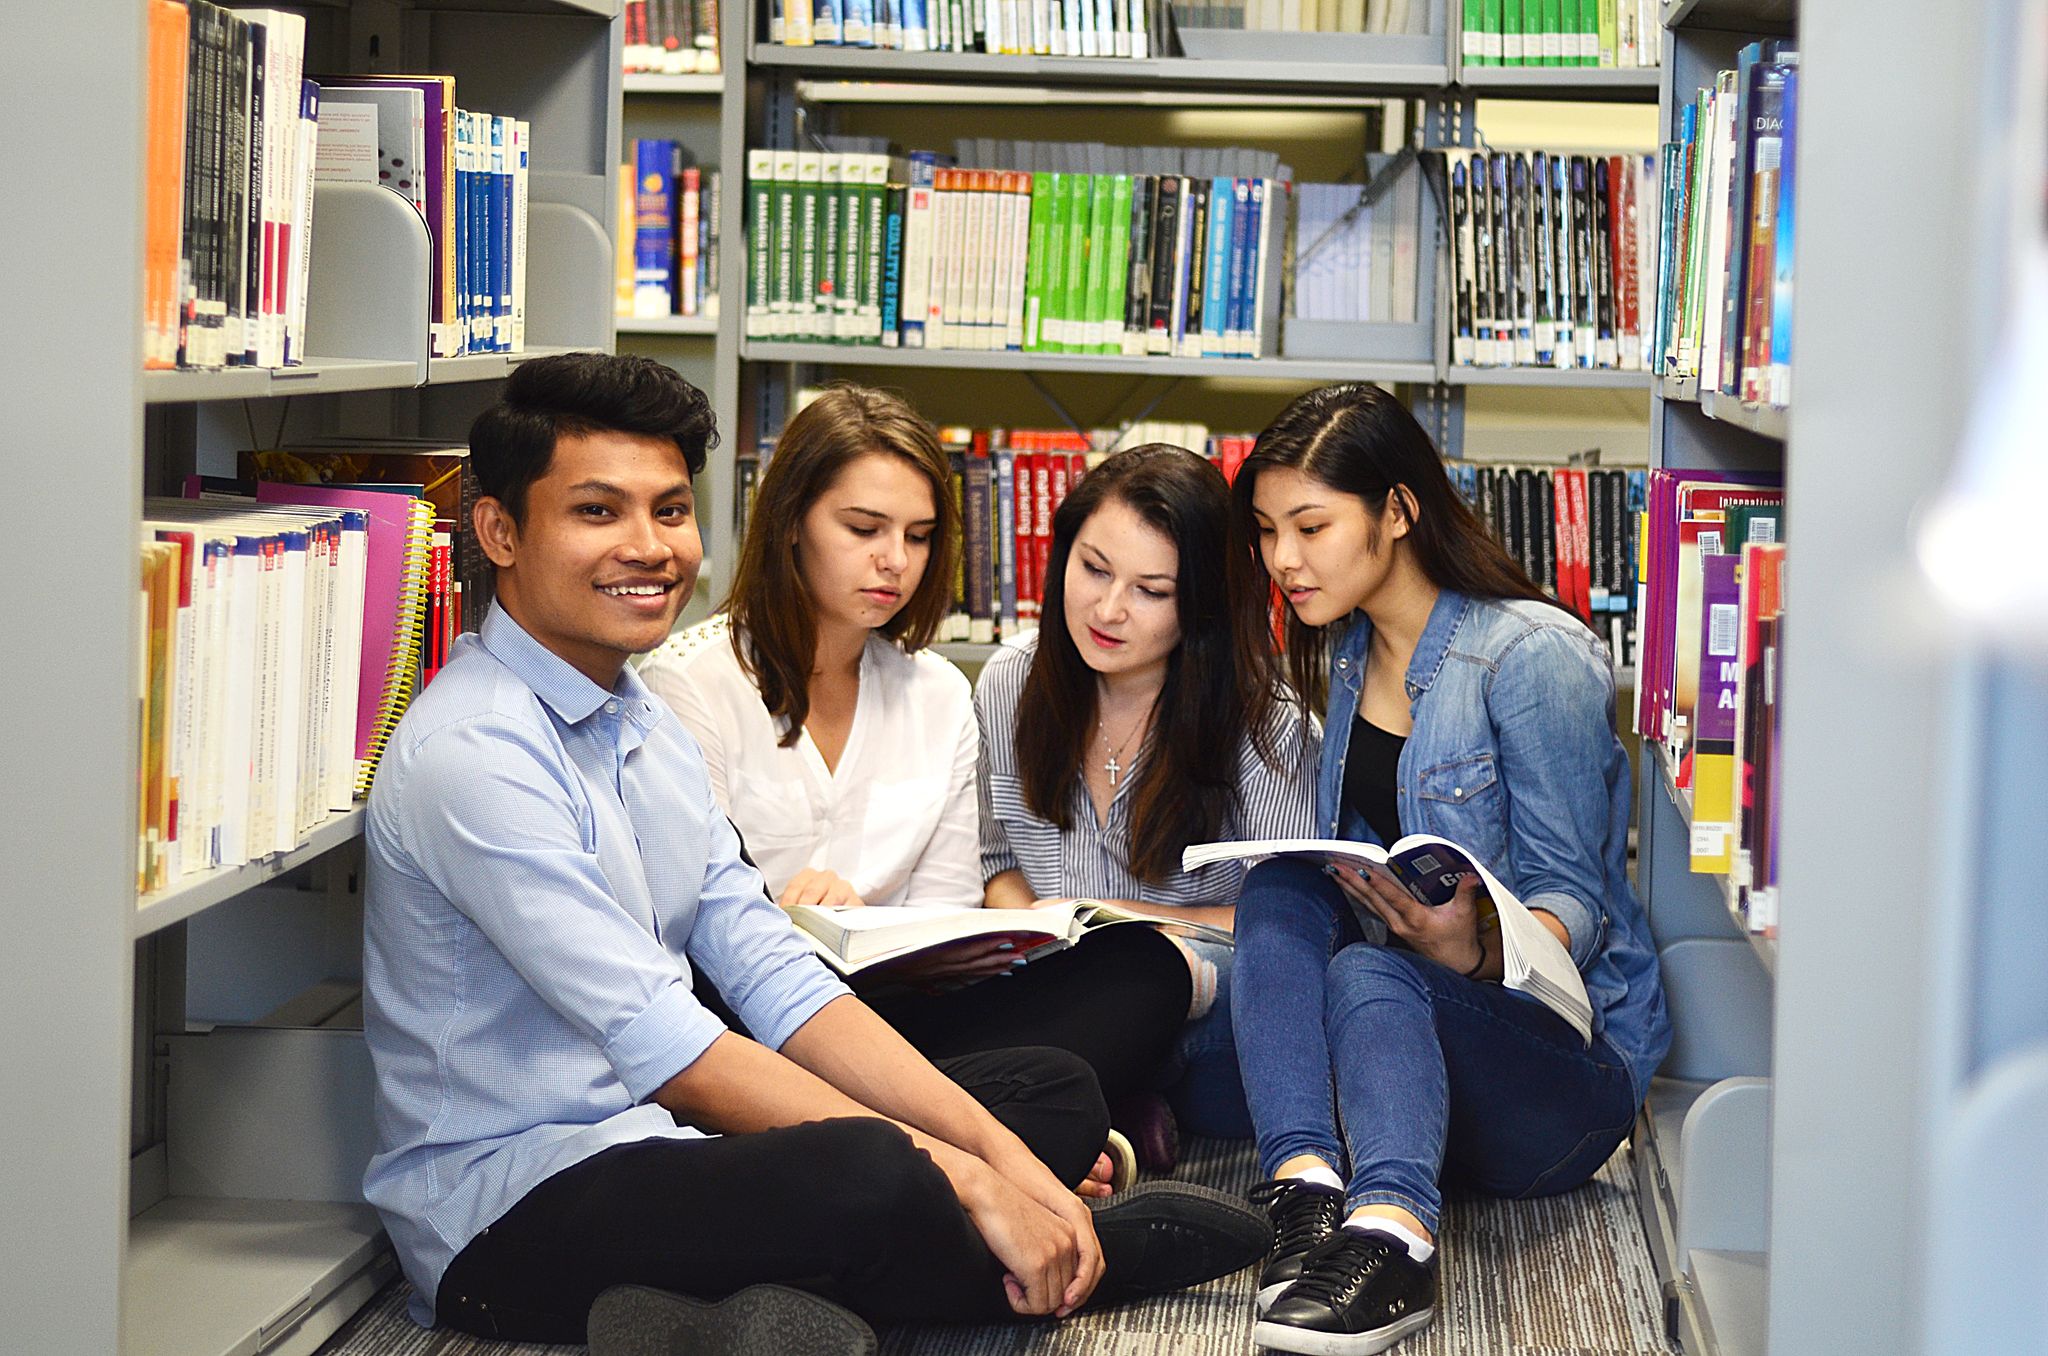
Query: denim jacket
x,y
1514,757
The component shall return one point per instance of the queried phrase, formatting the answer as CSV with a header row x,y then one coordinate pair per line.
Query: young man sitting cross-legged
x,y
558,1114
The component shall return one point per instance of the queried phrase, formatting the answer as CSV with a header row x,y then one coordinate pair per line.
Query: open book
x,y
1428,868
852,938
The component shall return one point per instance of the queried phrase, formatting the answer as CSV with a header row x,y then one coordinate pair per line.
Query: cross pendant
x,y
1112,767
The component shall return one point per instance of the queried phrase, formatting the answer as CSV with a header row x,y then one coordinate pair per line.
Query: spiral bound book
x,y
394,605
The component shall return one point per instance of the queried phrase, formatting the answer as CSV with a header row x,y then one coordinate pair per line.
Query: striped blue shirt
x,y
546,867
1091,860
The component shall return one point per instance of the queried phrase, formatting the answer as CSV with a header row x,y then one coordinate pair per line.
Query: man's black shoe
x,y
1359,1293
1303,1214
1162,1236
761,1320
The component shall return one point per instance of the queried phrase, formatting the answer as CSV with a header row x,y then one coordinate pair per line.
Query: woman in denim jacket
x,y
1460,702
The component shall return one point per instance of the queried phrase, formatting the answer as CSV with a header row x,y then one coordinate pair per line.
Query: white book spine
x,y
522,133
1020,235
947,327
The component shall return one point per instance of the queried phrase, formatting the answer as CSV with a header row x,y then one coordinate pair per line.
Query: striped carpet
x,y
1567,1276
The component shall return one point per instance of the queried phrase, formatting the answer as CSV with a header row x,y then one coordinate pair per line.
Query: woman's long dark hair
x,y
1220,678
1359,440
774,622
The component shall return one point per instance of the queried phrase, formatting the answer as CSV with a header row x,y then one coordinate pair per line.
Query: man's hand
x,y
818,887
1047,1268
1021,1169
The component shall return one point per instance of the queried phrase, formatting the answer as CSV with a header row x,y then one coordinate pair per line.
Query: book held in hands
x,y
854,938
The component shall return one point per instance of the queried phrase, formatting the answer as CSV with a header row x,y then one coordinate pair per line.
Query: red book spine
x,y
1054,489
1023,530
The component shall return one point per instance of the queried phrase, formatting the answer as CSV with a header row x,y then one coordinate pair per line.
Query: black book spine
x,y
1498,208
1165,232
1197,260
1138,259
261,108
216,185
1482,259
1546,529
1513,524
1582,259
1603,262
1545,281
1489,501
236,167
1598,555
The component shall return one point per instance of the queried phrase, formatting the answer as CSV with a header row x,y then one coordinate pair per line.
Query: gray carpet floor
x,y
1567,1276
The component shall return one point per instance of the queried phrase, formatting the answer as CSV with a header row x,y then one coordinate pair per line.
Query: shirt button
x,y
611,708
1457,793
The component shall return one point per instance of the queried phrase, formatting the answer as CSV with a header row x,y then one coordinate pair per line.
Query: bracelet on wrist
x,y
1479,964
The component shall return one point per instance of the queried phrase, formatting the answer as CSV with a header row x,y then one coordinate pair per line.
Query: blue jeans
x,y
1202,1082
1431,1076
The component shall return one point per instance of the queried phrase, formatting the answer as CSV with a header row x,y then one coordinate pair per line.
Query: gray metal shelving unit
x,y
139,1224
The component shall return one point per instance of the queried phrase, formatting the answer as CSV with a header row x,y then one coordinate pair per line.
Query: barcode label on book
x,y
1721,626
1709,840
1710,543
1763,529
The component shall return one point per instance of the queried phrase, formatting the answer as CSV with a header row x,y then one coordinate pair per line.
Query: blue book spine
x,y
916,26
825,22
1216,268
482,293
1778,388
501,218
857,25
1240,319
653,209
918,226
462,214
1006,541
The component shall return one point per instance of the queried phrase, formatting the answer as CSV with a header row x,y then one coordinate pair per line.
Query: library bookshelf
x,y
187,1180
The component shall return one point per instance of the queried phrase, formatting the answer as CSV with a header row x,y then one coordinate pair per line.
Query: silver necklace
x,y
1110,764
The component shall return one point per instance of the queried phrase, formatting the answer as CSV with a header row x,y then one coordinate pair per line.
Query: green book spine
x,y
1101,189
874,196
1080,224
1590,14
803,297
1513,33
1035,258
1494,31
831,243
760,240
1059,242
1116,266
1607,54
1560,44
783,312
854,239
1472,39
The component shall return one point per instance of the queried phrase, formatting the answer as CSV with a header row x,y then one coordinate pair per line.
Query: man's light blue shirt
x,y
546,867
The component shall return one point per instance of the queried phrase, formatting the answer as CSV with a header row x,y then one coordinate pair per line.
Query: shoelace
x,y
1336,1270
1302,1218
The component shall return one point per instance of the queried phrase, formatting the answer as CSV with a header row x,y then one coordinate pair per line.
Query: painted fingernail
x,y
1006,946
1017,964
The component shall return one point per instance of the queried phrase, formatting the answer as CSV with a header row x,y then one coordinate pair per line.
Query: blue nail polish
x,y
1006,946
1017,964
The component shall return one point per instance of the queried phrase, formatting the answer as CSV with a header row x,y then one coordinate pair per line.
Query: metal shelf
x,y
1768,421
482,366
212,1277
1008,360
1742,16
1766,948
698,85
1594,378
198,893
1162,72
1562,82
669,324
319,376
1686,389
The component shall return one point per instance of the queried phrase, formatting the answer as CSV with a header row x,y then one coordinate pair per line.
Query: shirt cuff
x,y
666,1038
1585,928
788,1000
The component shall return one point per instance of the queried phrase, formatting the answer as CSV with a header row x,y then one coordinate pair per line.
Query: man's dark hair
x,y
513,441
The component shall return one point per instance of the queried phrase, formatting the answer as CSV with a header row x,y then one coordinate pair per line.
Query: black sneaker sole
x,y
761,1320
1170,1235
1309,1342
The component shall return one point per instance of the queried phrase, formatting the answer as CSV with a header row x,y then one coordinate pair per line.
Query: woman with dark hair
x,y
1143,717
845,752
1382,1055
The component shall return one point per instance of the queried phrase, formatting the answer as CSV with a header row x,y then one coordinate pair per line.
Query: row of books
x,y
670,37
1552,257
1726,231
1088,28
1307,16
862,248
1606,33
1356,261
1573,530
228,200
668,260
1703,605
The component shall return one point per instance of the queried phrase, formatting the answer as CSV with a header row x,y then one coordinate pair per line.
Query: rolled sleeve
x,y
1553,707
746,946
666,1038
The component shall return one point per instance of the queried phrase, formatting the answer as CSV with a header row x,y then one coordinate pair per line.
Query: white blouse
x,y
896,818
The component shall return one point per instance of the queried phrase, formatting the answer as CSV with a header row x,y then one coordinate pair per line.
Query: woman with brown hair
x,y
845,752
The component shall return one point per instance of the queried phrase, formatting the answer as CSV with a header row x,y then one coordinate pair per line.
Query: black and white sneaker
x,y
1359,1293
1303,1215
761,1320
1163,1236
